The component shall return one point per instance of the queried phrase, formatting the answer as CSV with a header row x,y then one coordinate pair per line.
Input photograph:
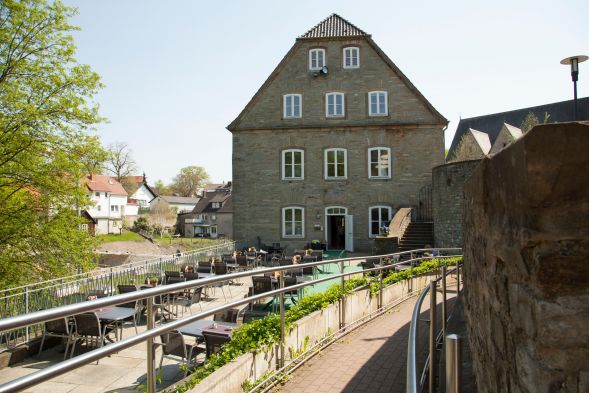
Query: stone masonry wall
x,y
448,201
526,261
260,194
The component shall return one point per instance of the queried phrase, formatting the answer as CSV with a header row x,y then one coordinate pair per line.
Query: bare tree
x,y
120,163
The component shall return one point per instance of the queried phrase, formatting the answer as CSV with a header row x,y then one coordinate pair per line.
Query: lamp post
x,y
574,62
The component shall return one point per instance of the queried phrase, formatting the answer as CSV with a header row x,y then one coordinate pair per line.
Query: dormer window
x,y
316,59
216,205
351,57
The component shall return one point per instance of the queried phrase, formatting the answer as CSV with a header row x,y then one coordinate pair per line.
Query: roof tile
x,y
334,26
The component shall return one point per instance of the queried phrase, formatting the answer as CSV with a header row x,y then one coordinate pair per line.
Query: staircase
x,y
417,235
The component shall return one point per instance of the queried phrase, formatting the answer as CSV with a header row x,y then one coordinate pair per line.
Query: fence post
x,y
26,312
282,321
150,348
381,276
343,300
453,364
457,278
112,284
444,308
432,337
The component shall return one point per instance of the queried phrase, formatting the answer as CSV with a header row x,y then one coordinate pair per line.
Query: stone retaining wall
x,y
448,201
526,262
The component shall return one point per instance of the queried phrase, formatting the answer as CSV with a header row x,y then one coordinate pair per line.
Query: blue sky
x,y
178,72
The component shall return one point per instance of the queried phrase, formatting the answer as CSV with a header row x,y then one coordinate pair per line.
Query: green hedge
x,y
258,334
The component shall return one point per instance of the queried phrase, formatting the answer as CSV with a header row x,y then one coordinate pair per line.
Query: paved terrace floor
x,y
373,358
123,372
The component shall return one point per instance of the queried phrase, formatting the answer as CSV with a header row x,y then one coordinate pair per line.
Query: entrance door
x,y
349,233
335,225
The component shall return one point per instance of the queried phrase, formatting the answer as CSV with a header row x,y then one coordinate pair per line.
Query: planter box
x,y
311,328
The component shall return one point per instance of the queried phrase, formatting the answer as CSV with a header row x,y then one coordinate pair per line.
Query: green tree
x,y
46,110
161,188
189,180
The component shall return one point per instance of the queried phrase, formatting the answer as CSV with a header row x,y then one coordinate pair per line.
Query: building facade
x,y
212,216
109,202
332,144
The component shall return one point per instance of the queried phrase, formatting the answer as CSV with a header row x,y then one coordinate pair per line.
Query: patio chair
x,y
174,346
214,342
204,267
58,328
172,274
241,262
227,316
262,284
220,268
190,276
289,281
89,329
136,304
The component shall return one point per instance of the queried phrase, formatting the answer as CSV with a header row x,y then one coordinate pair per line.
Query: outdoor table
x,y
115,315
195,329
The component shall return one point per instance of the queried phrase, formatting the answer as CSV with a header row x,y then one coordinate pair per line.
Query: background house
x,y
109,200
144,193
492,124
179,204
212,216
332,144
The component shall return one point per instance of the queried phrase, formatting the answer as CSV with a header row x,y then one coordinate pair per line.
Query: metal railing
x,y
413,383
22,321
75,288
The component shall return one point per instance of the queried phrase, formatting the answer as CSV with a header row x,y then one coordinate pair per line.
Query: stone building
x,y
332,144
492,124
474,145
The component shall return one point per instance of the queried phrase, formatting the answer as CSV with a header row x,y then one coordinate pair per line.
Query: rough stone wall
x,y
468,149
259,194
526,255
294,77
502,141
448,201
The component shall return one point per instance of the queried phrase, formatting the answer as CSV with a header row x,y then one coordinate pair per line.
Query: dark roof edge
x,y
529,108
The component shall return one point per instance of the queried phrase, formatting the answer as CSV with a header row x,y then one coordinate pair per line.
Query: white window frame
x,y
293,222
289,113
343,106
348,54
377,96
379,149
381,224
284,164
326,164
317,66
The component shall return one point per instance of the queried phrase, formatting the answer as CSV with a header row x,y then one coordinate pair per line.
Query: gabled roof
x,y
491,124
223,196
103,183
332,32
482,140
333,26
513,131
179,199
227,206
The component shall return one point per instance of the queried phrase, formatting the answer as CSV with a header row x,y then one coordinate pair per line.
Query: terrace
x,y
128,364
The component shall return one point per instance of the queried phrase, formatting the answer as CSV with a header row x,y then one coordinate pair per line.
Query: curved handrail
x,y
412,385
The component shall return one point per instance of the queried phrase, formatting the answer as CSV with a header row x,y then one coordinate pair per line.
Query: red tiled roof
x,y
103,183
334,26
